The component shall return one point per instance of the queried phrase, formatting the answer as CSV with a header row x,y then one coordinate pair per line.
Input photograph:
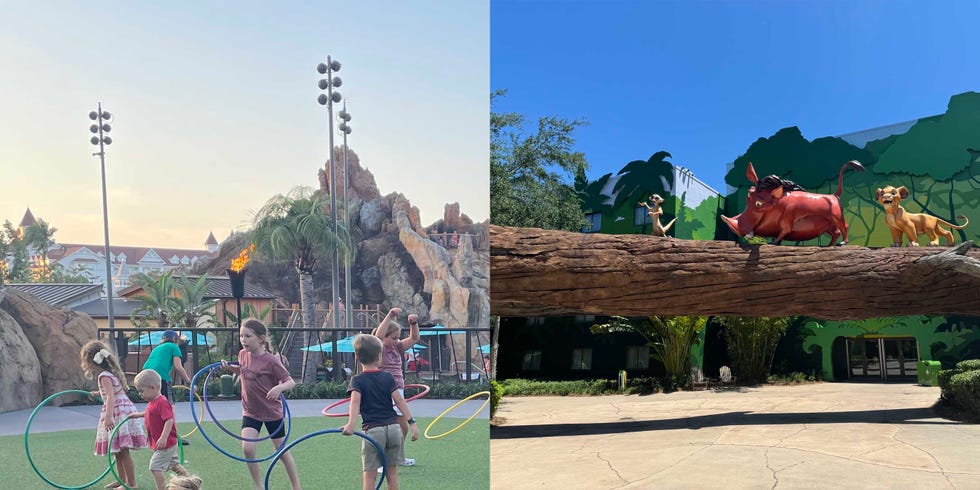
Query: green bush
x,y
944,378
496,393
965,391
795,378
968,365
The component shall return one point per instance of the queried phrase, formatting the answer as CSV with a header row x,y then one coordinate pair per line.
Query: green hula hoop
x,y
27,447
112,462
454,429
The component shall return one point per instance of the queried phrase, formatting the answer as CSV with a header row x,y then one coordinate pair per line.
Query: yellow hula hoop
x,y
185,436
454,429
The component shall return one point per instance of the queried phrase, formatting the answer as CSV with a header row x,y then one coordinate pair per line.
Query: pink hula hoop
x,y
327,413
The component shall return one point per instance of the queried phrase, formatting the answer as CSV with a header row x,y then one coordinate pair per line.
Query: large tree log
x,y
536,272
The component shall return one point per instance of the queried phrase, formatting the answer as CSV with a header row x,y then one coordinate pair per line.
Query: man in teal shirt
x,y
166,358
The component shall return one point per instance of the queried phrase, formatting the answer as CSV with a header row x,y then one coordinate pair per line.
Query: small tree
x,y
670,339
752,343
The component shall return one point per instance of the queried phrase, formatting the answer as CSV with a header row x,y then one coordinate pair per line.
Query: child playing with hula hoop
x,y
371,393
98,362
389,332
263,379
159,417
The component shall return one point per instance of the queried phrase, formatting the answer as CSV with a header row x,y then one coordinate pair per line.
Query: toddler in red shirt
x,y
159,417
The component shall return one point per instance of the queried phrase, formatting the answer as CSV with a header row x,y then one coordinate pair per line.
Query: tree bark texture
x,y
535,272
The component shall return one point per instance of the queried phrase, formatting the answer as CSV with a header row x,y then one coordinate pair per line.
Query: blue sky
x,y
703,80
216,111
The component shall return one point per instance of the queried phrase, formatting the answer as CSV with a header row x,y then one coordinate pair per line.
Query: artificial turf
x,y
459,460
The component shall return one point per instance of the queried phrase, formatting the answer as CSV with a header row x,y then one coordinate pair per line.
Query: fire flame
x,y
239,263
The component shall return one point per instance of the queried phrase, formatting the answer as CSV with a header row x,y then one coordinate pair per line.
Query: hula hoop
x,y
454,429
326,411
197,422
282,399
188,388
287,447
27,447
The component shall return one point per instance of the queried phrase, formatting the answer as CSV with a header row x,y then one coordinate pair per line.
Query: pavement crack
x,y
612,468
775,477
939,465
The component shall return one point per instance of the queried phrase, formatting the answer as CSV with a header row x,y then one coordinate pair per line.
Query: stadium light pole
x,y
329,99
344,117
101,138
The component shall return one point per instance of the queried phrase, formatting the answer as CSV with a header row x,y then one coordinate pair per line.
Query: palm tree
x,y
641,178
295,228
189,304
156,300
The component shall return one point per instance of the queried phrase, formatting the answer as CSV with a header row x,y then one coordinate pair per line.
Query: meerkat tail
x,y
668,225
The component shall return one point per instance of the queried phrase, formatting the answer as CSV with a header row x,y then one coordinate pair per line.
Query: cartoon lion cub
x,y
902,222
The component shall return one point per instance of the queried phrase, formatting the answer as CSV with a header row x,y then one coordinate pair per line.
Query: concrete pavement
x,y
823,435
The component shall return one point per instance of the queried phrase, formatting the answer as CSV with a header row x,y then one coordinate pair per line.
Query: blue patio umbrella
x,y
485,349
439,330
154,338
345,344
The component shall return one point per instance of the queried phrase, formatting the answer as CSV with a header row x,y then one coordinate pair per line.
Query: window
x,y
637,357
640,216
532,360
535,321
594,223
582,359
585,318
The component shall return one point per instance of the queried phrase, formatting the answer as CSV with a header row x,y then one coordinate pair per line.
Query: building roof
x,y
132,255
97,309
211,240
219,287
57,294
28,219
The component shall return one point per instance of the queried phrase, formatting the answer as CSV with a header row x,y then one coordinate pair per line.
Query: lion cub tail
x,y
966,221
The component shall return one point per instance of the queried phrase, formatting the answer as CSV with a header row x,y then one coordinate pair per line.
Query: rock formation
x,y
399,261
20,377
54,335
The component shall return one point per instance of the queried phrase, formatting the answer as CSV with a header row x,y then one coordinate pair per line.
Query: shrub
x,y
965,390
752,344
795,378
968,365
496,393
944,378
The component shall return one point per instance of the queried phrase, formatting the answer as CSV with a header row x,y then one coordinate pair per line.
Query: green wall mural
x,y
937,158
937,337
616,198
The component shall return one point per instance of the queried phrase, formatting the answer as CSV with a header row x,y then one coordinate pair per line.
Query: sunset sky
x,y
216,110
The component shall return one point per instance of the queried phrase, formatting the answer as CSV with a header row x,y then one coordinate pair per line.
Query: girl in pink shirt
x,y
391,359
263,379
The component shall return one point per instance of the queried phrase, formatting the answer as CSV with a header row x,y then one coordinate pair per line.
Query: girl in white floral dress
x,y
99,363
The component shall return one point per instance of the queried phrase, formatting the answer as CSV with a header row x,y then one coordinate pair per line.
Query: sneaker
x,y
185,442
380,470
407,462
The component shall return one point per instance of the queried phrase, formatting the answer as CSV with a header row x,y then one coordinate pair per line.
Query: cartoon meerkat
x,y
654,212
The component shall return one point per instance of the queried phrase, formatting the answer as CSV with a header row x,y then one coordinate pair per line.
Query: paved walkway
x,y
53,419
824,435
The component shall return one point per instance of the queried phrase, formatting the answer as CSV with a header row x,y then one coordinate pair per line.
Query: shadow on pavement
x,y
892,416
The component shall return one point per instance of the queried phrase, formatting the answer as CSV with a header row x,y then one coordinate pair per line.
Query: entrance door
x,y
881,358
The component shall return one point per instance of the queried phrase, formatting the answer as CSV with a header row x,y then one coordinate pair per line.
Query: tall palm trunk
x,y
308,305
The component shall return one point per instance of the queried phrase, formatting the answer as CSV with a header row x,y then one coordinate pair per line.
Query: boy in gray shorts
x,y
371,393
160,427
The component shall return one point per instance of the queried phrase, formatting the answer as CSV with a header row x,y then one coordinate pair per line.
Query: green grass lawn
x,y
459,460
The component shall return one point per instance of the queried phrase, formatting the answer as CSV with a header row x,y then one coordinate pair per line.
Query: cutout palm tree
x,y
641,178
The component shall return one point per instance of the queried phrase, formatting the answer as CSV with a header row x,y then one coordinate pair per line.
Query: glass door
x,y
882,358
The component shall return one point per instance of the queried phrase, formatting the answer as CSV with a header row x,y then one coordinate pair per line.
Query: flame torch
x,y
236,274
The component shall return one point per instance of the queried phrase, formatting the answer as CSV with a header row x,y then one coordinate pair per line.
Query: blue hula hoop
x,y
27,447
197,422
287,447
214,419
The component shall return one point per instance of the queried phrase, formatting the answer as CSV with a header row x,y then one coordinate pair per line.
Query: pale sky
x,y
215,109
